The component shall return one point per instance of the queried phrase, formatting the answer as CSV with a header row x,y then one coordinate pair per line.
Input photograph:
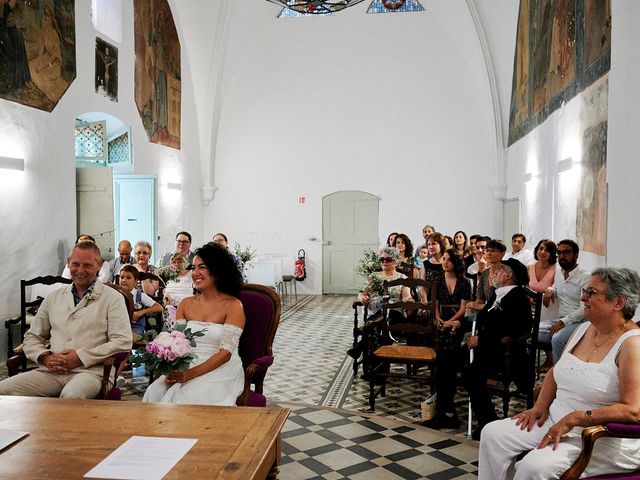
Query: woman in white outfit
x,y
597,380
215,376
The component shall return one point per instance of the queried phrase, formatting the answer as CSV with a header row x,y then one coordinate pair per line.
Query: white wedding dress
x,y
218,387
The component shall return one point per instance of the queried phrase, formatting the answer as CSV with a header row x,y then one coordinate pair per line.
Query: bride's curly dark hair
x,y
222,267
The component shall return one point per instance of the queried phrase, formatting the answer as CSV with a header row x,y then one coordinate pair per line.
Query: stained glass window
x,y
389,6
288,13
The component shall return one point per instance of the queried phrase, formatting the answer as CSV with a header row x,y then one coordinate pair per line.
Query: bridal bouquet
x,y
168,351
169,272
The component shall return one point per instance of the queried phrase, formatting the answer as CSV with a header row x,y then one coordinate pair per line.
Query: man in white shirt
x,y
570,280
480,263
518,241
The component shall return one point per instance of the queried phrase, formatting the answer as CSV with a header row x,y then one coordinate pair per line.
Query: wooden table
x,y
69,437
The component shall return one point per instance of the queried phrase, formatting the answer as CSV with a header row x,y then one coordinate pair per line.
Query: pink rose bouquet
x,y
168,351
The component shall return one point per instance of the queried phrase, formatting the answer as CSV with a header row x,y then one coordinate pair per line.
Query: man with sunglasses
x,y
183,245
569,281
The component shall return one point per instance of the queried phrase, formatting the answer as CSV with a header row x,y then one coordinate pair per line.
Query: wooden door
x,y
349,226
94,203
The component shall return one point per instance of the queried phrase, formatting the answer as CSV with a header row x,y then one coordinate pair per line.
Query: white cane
x,y
473,332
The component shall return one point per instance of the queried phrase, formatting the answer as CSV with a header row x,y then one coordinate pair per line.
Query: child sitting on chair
x,y
144,304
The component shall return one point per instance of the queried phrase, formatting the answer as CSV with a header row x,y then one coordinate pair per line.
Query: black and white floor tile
x,y
330,433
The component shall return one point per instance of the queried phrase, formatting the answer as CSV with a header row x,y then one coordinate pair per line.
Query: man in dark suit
x,y
507,313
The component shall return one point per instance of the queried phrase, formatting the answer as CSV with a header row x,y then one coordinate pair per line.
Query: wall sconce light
x,y
564,165
174,186
10,163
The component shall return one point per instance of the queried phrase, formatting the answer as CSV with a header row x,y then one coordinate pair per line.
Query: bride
x,y
215,376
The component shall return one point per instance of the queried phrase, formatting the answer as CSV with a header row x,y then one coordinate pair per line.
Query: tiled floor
x,y
330,433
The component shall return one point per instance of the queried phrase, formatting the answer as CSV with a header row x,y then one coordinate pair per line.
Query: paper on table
x,y
142,458
7,437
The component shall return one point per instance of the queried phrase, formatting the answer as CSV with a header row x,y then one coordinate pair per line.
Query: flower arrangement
x,y
246,254
374,285
168,351
169,272
369,263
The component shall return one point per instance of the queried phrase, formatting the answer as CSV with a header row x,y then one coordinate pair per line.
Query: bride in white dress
x,y
215,376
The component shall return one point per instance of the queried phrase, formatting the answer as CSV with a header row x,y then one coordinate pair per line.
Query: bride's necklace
x,y
606,340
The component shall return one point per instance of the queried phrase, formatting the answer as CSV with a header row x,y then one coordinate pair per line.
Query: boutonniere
x,y
496,306
91,296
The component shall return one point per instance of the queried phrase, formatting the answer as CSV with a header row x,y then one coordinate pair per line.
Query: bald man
x,y
124,258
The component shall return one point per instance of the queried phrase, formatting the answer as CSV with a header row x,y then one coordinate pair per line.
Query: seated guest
x,y
469,259
391,239
506,314
103,274
215,376
426,231
144,304
142,253
371,293
448,242
542,273
479,260
461,243
423,255
518,241
75,330
433,267
453,291
493,254
595,381
221,239
179,285
569,281
405,248
183,245
124,258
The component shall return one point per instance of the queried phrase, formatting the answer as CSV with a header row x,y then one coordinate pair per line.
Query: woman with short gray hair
x,y
595,381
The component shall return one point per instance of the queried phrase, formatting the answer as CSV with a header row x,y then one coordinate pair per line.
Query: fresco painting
x,y
37,51
546,59
157,71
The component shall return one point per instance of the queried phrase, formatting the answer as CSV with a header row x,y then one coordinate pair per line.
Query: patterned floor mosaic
x,y
330,433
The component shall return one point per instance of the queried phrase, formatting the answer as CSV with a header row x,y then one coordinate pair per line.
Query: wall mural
x,y
37,51
591,214
157,71
106,69
557,56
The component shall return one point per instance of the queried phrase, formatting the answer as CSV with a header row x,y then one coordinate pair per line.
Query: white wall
x,y
396,105
38,206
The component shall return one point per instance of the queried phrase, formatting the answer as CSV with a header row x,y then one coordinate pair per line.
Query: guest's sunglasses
x,y
386,259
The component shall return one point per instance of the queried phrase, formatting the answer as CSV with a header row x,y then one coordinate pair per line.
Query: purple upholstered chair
x,y
589,436
262,311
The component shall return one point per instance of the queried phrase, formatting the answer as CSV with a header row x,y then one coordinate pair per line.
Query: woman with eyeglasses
x,y
142,255
542,274
371,293
595,381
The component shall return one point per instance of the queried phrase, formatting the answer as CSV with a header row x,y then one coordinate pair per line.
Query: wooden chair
x,y
512,368
358,330
262,316
418,327
40,287
589,437
108,390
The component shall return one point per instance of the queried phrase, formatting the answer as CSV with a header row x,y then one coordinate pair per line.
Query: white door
x,y
94,200
135,209
349,226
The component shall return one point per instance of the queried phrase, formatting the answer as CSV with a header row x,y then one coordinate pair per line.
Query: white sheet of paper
x,y
142,458
7,437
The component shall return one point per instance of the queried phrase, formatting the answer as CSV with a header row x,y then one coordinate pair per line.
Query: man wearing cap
x,y
507,313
